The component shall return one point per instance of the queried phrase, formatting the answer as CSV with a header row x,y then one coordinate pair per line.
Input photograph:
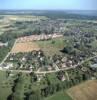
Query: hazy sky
x,y
49,4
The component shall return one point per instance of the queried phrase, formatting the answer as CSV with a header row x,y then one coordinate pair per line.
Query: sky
x,y
49,4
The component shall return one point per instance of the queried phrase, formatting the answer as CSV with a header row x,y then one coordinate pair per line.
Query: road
x,y
53,71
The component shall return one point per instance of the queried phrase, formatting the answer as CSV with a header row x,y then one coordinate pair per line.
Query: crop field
x,y
8,22
25,18
22,18
25,47
84,91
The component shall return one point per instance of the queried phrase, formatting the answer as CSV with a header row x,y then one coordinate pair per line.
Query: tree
x,y
35,95
33,76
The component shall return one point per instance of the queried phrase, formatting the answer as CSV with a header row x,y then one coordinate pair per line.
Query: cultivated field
x,y
85,91
25,47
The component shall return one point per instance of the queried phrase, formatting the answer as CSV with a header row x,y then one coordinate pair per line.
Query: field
x,y
7,22
5,89
25,47
51,47
59,96
84,91
24,18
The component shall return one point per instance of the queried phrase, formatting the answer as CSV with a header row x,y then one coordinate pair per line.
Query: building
x,y
3,44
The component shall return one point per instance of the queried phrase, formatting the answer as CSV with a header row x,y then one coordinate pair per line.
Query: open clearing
x,y
53,46
25,47
84,91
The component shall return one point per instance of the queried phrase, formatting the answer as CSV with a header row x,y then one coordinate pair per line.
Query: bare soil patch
x,y
25,47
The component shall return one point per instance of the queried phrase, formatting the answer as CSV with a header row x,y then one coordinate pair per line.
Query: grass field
x,y
5,89
25,47
51,47
59,96
84,91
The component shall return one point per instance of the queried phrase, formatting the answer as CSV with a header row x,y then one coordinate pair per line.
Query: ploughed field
x,y
84,91
25,47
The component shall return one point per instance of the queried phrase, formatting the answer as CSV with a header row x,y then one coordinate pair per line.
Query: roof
x,y
94,65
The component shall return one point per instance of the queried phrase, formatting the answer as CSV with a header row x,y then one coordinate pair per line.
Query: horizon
x,y
46,10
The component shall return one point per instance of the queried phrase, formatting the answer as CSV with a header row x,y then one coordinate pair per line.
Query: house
x,y
23,59
49,68
64,59
7,65
39,77
94,67
63,78
3,44
64,65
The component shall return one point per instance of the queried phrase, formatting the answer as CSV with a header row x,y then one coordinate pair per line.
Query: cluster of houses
x,y
38,37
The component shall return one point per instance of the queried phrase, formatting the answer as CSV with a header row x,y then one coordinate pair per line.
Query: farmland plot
x,y
25,47
85,91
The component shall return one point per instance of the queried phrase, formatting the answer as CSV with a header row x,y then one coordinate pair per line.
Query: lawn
x,y
51,47
59,96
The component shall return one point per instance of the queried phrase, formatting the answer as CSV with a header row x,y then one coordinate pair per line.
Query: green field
x,y
5,88
51,47
59,96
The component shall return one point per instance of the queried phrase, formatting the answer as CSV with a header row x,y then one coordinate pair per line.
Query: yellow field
x,y
24,18
25,47
85,91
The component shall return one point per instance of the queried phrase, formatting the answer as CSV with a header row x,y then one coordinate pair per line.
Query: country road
x,y
53,71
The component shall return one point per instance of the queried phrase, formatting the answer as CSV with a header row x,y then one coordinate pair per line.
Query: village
x,y
28,56
46,55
